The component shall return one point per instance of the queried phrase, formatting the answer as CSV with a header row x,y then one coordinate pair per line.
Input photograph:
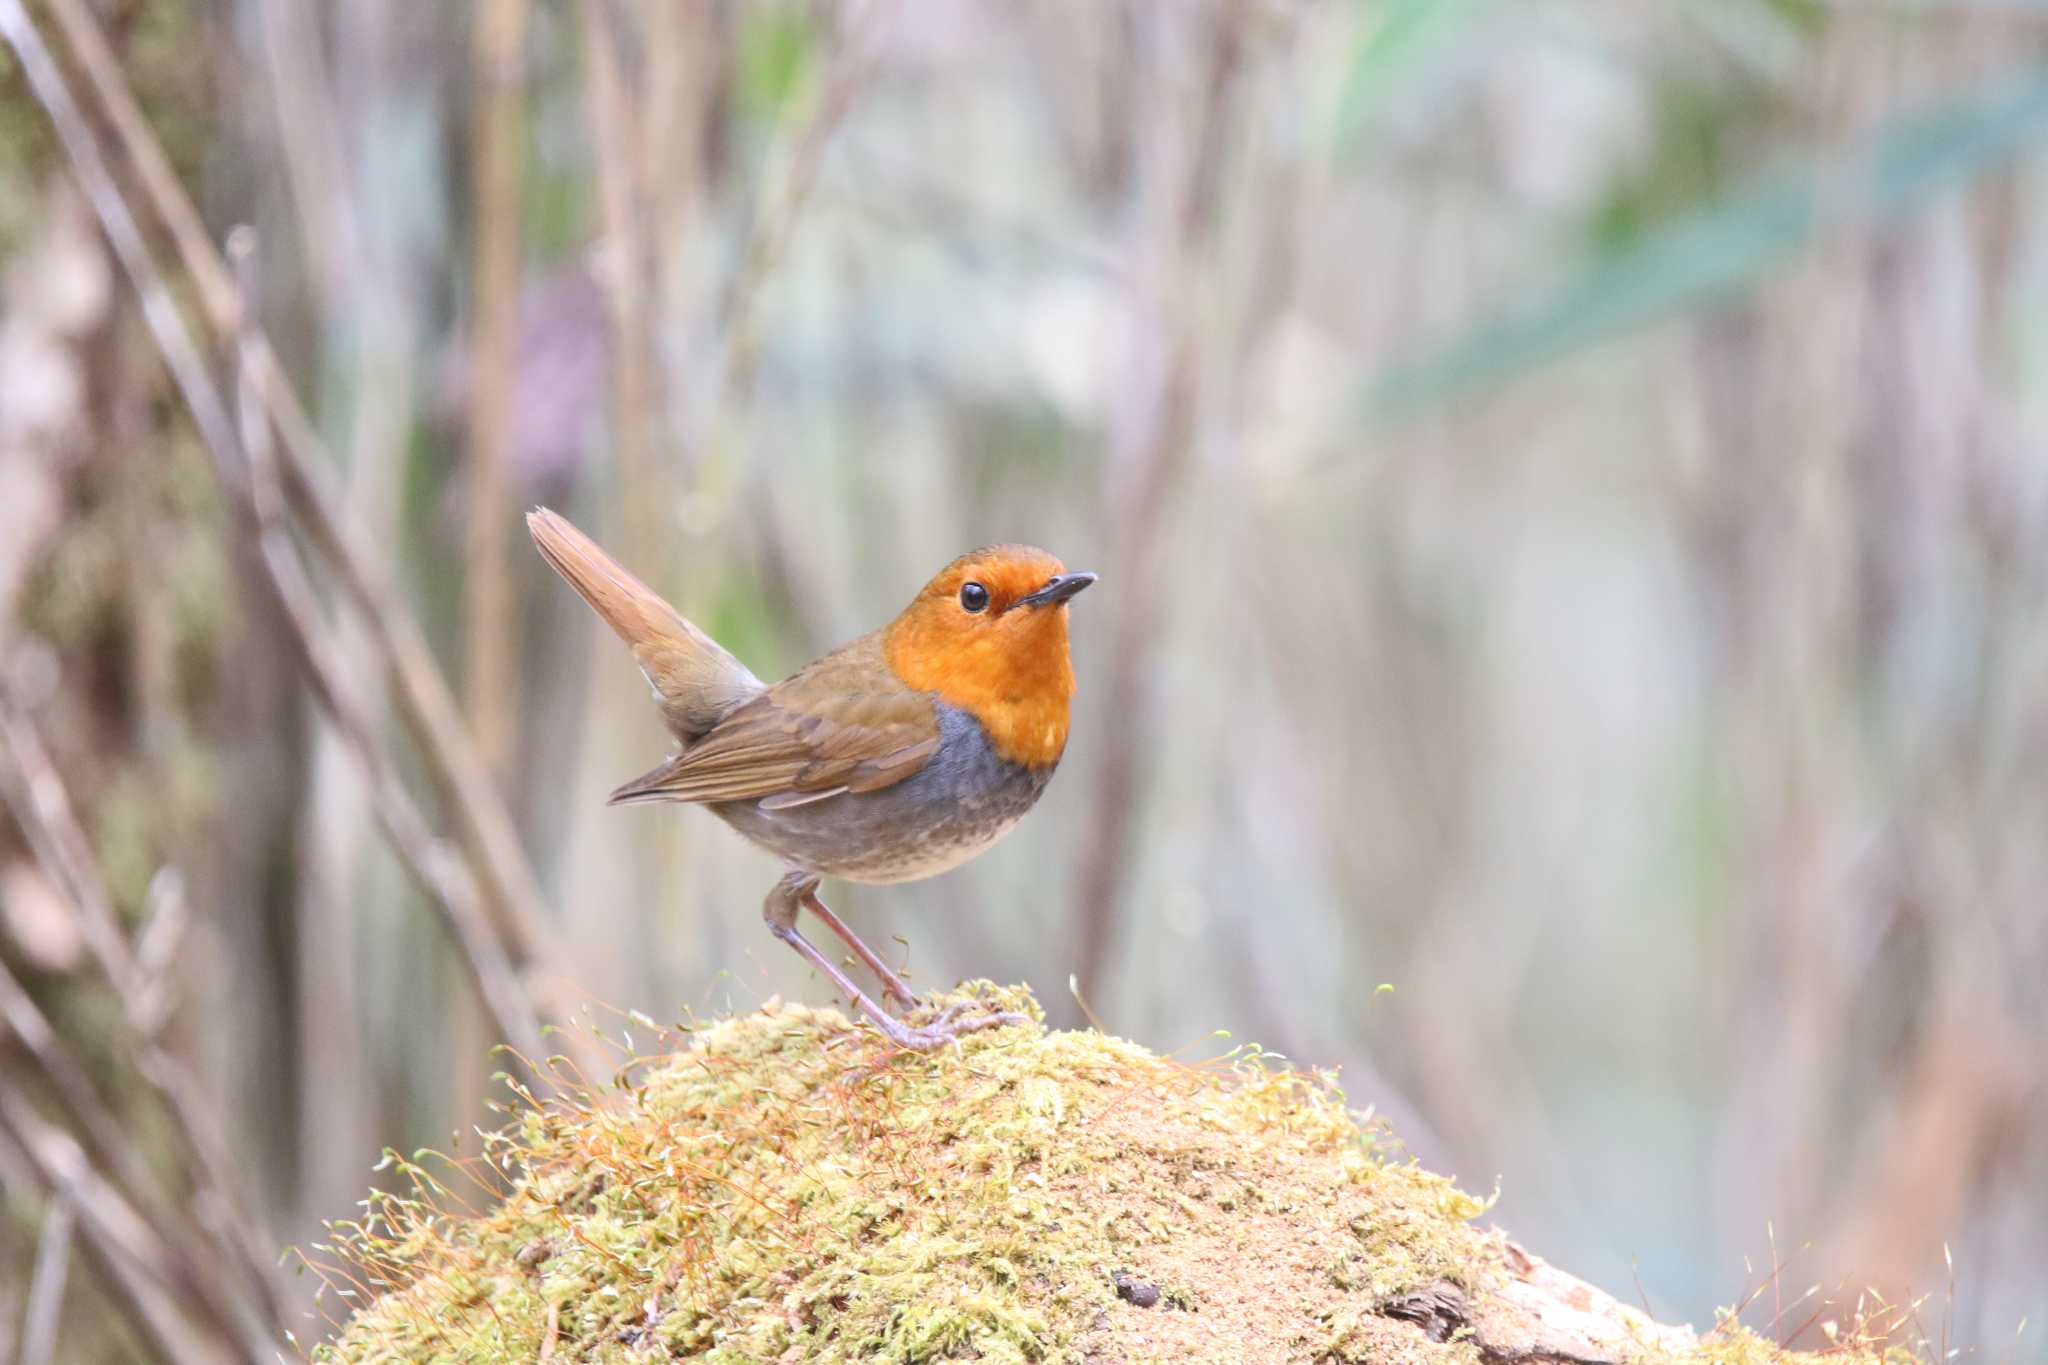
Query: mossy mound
x,y
788,1187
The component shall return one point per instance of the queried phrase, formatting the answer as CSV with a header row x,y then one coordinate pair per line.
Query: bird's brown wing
x,y
841,724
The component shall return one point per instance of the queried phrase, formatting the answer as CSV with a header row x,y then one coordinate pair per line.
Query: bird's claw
x,y
951,1012
948,1026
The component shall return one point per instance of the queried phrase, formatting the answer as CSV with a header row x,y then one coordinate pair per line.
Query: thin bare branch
x,y
1148,432
442,875
463,784
490,663
202,1147
616,113
42,808
46,1288
309,136
95,55
428,708
69,1084
775,217
165,916
13,1286
126,1251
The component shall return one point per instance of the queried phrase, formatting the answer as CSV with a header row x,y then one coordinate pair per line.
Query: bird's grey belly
x,y
955,806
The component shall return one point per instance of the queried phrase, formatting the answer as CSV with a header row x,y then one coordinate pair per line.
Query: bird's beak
x,y
1057,591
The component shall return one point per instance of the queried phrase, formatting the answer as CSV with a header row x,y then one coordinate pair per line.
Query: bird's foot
x,y
950,1023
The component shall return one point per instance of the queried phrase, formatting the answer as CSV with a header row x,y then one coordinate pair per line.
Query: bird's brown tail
x,y
694,679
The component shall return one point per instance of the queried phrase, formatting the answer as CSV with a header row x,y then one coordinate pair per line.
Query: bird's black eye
x,y
974,597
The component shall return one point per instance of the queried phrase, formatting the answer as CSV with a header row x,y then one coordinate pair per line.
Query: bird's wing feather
x,y
784,800
843,722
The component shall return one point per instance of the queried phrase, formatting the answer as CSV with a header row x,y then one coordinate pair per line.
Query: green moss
x,y
787,1187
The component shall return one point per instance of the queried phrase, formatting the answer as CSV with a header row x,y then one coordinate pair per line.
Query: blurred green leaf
x,y
1807,16
1729,246
777,49
1701,133
1401,37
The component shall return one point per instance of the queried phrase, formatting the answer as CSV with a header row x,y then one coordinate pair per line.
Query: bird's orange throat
x,y
1016,679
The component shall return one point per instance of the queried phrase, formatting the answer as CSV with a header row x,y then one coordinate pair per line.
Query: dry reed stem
x,y
93,1125
490,660
425,701
46,1288
438,872
132,1259
250,481
1149,430
42,808
200,1145
617,114
309,135
775,216
512,909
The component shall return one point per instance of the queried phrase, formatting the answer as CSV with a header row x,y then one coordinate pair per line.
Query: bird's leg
x,y
780,910
892,985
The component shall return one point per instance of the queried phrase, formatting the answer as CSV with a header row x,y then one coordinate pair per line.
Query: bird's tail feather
x,y
694,679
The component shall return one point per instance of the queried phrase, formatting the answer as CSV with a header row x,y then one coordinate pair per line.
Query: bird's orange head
x,y
988,634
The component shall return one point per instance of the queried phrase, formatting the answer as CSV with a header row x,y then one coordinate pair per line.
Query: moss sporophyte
x,y
785,1187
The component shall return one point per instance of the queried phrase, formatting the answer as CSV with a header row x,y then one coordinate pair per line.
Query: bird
x,y
895,757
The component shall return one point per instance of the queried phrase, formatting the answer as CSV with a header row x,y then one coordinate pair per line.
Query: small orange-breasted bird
x,y
897,756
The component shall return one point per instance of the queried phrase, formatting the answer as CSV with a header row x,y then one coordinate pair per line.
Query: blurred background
x,y
1570,480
